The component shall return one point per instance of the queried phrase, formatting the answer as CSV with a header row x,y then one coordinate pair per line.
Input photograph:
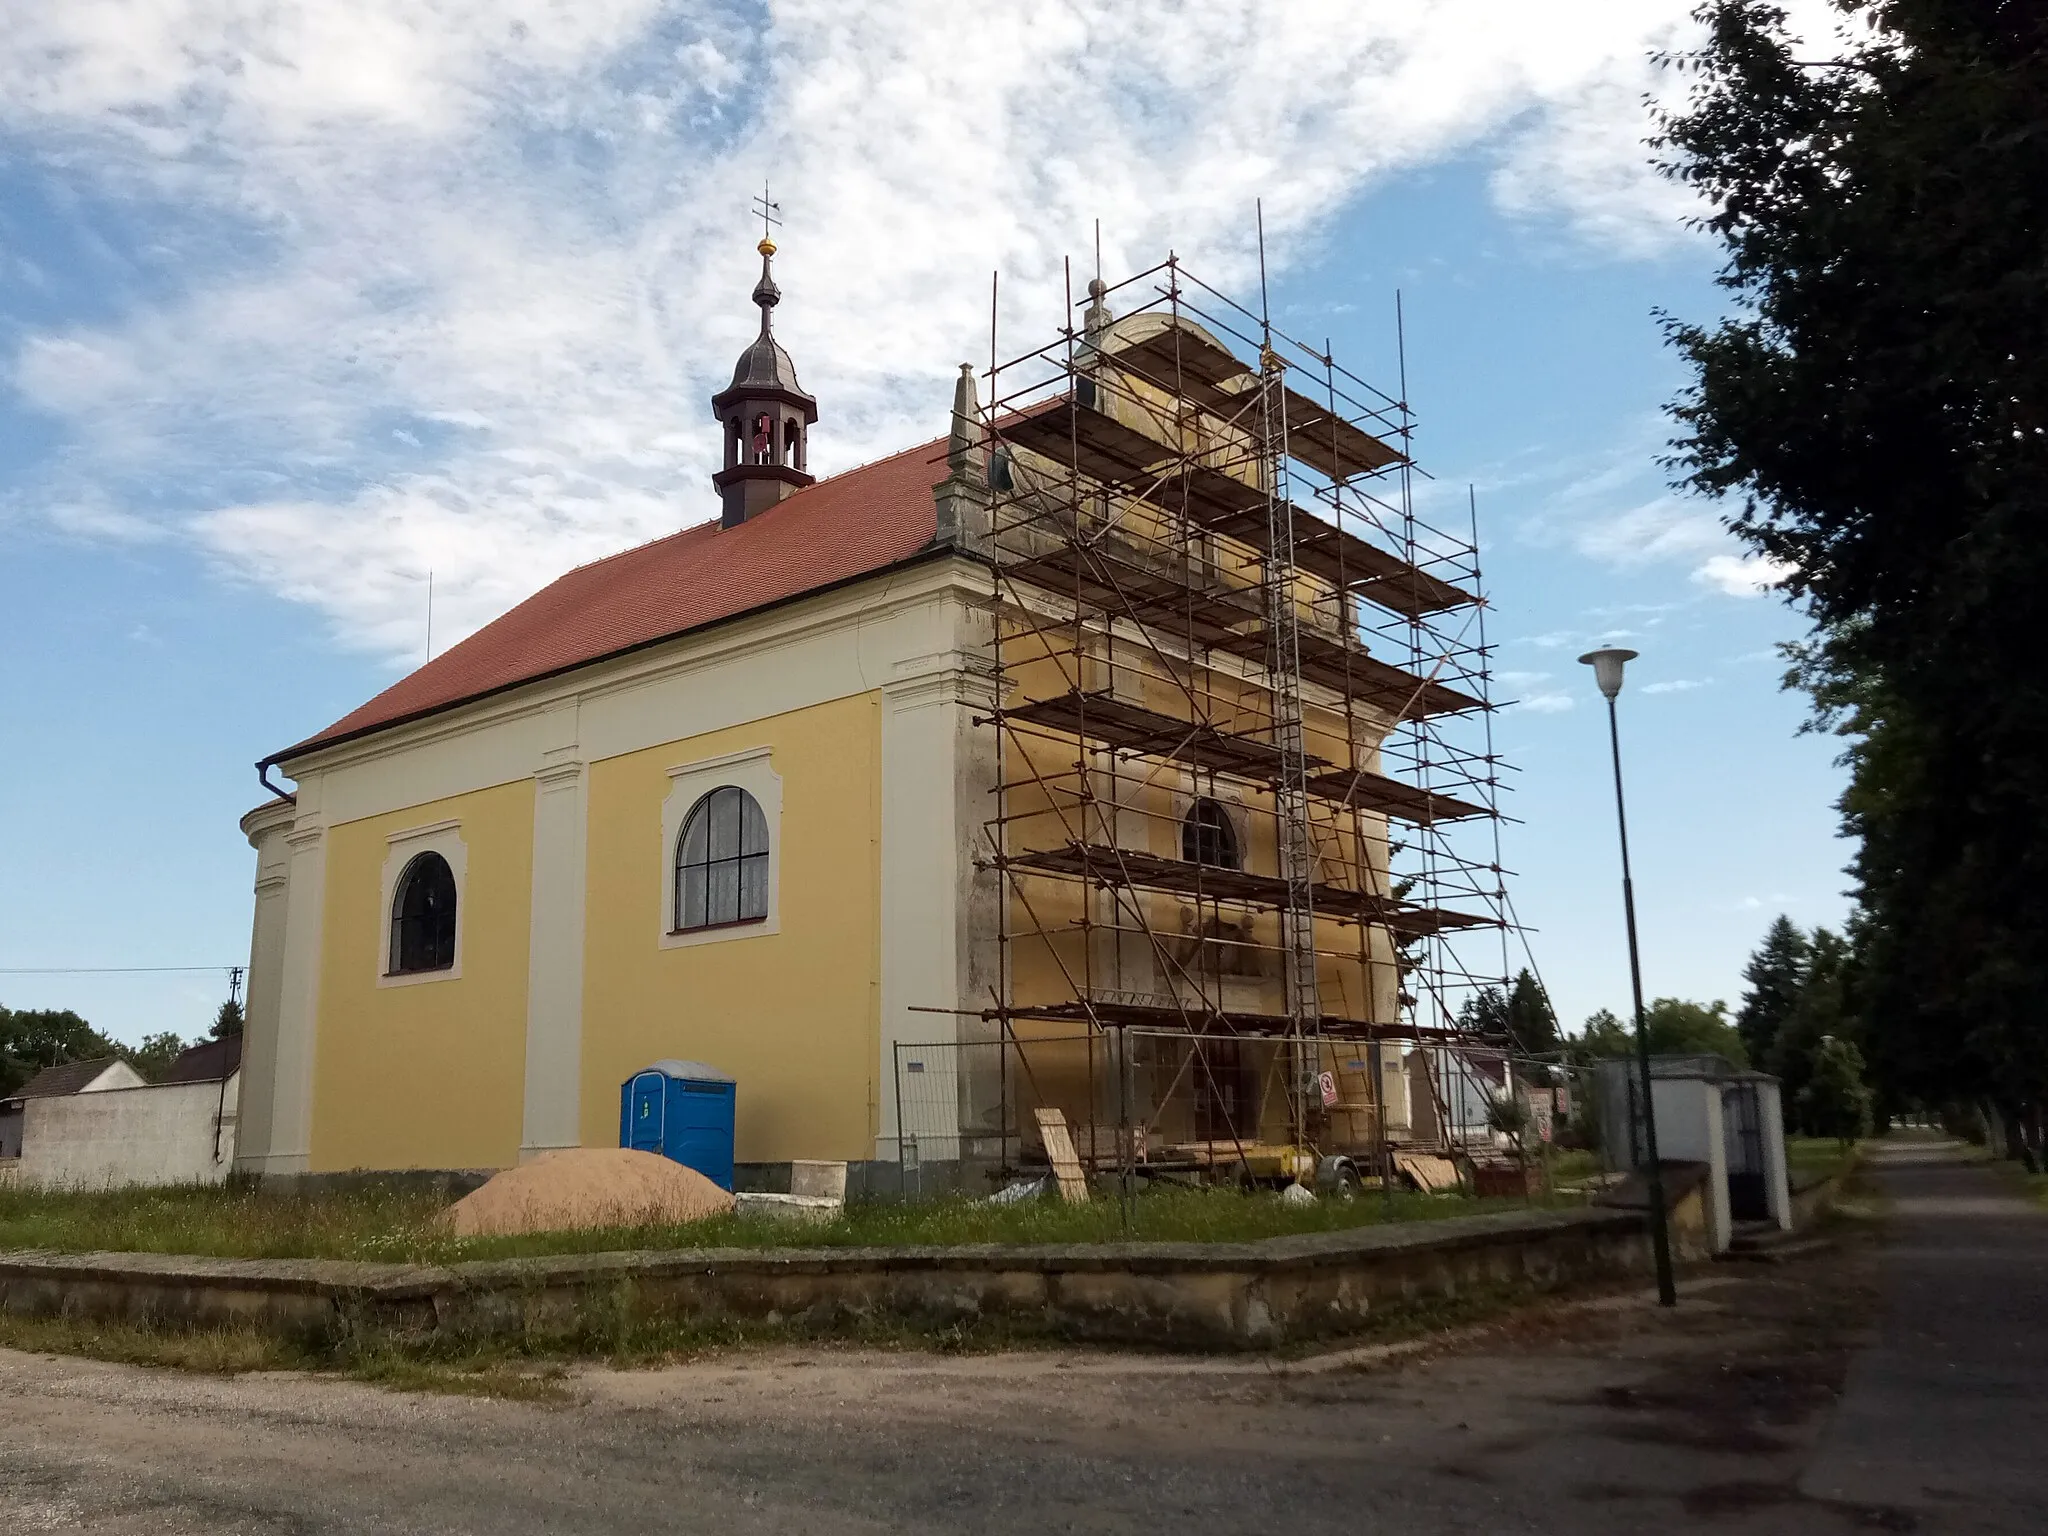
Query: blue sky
x,y
293,311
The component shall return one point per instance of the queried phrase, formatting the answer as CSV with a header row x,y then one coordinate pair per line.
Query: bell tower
x,y
764,416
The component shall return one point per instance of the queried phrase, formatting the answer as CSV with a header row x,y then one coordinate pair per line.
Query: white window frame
x,y
401,848
752,771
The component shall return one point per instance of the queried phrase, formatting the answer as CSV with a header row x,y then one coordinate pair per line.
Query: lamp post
x,y
1607,665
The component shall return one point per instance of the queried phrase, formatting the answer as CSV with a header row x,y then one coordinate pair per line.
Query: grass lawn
x,y
1809,1159
396,1226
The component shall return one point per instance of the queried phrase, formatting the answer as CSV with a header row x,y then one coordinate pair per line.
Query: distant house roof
x,y
207,1062
847,526
69,1077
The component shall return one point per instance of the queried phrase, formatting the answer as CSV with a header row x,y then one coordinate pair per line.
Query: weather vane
x,y
770,211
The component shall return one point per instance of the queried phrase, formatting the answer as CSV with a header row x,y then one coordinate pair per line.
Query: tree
x,y
1818,1012
1775,974
34,1038
1603,1035
228,1021
1673,1027
154,1056
1835,1100
1531,1021
1679,1028
1878,413
1485,1012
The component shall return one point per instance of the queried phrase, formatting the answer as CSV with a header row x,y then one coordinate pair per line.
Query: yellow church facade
x,y
558,808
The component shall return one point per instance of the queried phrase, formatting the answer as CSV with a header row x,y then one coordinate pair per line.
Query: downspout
x,y
263,777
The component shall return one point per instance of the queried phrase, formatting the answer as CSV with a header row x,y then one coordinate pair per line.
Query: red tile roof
x,y
840,528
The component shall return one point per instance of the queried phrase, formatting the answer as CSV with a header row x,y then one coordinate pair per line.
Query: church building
x,y
1028,732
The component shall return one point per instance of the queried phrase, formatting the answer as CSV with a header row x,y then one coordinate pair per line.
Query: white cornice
x,y
847,608
431,829
723,760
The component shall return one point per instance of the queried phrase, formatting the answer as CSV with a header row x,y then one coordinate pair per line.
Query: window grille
x,y
1207,837
721,870
423,917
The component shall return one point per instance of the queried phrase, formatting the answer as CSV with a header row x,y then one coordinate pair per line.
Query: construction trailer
x,y
1243,795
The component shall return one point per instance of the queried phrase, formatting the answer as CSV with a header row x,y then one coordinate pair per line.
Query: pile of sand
x,y
587,1187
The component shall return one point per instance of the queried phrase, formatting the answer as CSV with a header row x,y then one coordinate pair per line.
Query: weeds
x,y
213,1352
399,1226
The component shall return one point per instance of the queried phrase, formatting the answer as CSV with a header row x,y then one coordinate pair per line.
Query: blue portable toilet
x,y
682,1110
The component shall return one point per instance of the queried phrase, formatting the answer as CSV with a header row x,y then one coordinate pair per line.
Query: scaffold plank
x,y
1370,791
1202,1019
1131,727
1149,871
1101,716
1223,504
1181,360
1091,441
1326,441
1099,446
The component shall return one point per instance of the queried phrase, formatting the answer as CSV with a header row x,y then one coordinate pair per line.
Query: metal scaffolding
x,y
1245,793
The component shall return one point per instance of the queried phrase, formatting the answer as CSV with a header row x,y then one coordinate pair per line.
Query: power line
x,y
106,970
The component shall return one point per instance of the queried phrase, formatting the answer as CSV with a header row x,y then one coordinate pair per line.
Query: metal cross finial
x,y
770,211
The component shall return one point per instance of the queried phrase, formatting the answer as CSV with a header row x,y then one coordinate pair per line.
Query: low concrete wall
x,y
167,1133
1252,1295
1812,1197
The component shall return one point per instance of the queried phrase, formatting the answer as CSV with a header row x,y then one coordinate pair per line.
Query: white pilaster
x,y
265,827
554,977
930,828
298,1005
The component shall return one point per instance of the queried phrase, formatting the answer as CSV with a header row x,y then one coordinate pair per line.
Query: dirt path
x,y
1946,1415
1609,1418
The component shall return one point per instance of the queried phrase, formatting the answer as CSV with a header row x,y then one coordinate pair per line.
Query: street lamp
x,y
1607,665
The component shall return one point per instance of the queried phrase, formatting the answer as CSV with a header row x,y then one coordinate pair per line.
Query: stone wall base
x,y
1252,1295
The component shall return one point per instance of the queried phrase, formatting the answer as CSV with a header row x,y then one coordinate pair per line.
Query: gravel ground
x,y
1610,1416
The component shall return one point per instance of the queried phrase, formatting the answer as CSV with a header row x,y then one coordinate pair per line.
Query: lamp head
x,y
1607,667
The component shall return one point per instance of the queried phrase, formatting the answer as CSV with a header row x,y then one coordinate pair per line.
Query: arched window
x,y
764,439
722,862
423,917
1207,837
790,429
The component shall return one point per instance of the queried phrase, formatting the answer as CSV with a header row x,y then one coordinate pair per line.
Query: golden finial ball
x,y
766,247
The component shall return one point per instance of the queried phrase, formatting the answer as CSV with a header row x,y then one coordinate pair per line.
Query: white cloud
x,y
1742,575
1662,528
1546,703
1588,156
502,260
1677,685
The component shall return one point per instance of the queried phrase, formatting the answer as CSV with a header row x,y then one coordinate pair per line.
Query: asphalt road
x,y
1729,1414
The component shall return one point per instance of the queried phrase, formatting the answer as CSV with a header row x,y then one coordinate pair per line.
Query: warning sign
x,y
1327,1082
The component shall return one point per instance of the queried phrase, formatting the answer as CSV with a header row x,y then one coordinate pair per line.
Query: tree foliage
x,y
1835,1101
1876,408
1673,1026
228,1021
1774,975
34,1038
1484,1012
1819,1011
1603,1034
1531,1021
154,1056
